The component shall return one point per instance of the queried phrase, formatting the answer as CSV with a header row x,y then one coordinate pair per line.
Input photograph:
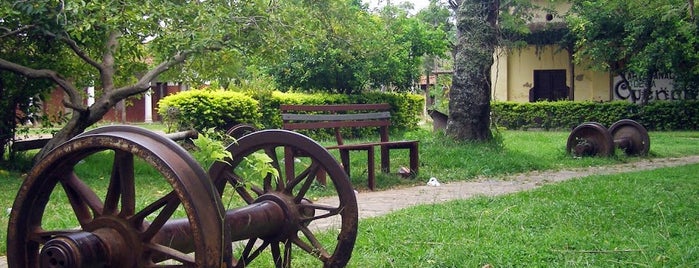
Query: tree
x,y
347,49
634,36
469,98
107,44
20,95
330,48
438,16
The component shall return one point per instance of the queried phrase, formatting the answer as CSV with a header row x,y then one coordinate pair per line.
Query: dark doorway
x,y
549,85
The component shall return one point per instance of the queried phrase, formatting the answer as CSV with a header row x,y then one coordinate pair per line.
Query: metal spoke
x,y
276,255
310,173
140,217
120,185
267,185
111,201
298,179
128,184
272,153
331,211
161,219
239,186
287,253
316,249
83,200
172,254
248,255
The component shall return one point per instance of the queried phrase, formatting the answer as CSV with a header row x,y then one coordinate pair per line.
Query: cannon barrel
x,y
105,246
125,226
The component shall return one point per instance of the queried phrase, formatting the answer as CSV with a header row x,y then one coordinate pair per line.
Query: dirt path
x,y
372,204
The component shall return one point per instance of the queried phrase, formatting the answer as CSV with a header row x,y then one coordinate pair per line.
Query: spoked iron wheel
x,y
107,221
303,218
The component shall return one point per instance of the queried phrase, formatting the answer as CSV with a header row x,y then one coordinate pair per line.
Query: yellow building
x,y
546,72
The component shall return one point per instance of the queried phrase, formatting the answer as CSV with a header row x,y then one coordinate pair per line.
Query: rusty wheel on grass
x,y
239,178
631,137
590,139
111,222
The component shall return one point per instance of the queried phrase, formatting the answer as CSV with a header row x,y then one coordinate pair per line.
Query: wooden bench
x,y
337,117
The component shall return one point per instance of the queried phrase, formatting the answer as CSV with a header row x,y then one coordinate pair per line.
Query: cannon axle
x,y
104,246
115,223
594,139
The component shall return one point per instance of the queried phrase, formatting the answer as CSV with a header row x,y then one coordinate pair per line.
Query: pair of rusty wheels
x,y
593,139
152,205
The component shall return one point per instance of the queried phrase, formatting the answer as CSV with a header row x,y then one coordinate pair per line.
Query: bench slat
x,y
336,107
334,124
298,117
336,117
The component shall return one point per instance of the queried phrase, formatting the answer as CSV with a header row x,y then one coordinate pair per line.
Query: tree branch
x,y
107,67
144,82
691,9
67,87
13,32
78,51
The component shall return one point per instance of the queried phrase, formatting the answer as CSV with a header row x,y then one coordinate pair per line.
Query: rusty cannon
x,y
592,138
179,215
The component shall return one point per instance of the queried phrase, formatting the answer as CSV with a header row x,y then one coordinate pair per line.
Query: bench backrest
x,y
337,116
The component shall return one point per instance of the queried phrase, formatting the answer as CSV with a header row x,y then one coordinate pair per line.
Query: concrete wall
x,y
513,74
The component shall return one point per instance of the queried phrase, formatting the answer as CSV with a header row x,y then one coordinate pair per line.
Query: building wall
x,y
135,110
591,85
513,74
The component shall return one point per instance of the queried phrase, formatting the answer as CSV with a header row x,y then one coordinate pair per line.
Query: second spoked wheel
x,y
256,174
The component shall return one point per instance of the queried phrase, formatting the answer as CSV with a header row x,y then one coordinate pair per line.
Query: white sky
x,y
419,4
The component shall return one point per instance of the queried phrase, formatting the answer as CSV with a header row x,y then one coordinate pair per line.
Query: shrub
x,y
204,109
405,113
658,115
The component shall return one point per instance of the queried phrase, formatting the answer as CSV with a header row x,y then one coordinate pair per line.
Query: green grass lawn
x,y
518,151
642,219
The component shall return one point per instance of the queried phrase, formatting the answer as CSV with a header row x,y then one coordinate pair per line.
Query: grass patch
x,y
516,152
645,219
441,157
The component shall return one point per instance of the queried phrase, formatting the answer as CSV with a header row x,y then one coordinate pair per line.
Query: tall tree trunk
x,y
469,98
648,85
75,125
691,9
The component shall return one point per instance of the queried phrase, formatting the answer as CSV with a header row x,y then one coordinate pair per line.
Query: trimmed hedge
x,y
406,109
658,115
221,109
204,109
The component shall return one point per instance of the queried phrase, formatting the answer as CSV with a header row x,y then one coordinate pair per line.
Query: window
x,y
549,85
